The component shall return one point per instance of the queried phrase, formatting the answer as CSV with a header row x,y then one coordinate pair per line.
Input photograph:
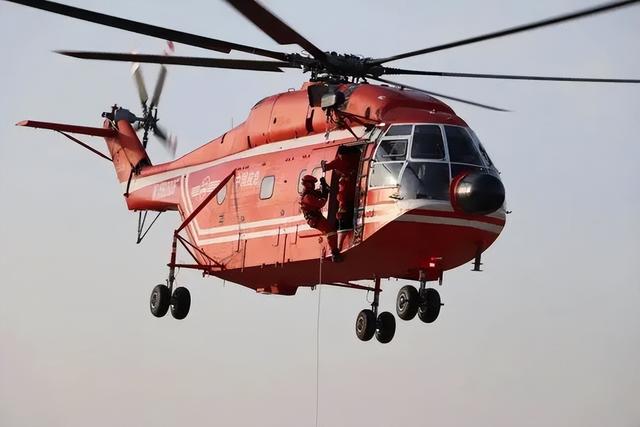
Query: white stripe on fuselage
x,y
397,210
414,218
138,183
492,228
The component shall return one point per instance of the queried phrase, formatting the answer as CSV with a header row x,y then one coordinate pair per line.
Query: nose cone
x,y
477,193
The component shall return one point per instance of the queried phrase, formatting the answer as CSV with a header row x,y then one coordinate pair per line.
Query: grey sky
x,y
548,334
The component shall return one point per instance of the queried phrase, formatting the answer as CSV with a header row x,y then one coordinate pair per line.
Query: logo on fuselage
x,y
248,179
165,189
205,187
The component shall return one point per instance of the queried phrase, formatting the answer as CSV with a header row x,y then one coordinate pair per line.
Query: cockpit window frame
x,y
404,154
403,162
444,144
486,163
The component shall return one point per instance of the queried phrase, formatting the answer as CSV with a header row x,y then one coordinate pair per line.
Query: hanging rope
x,y
318,337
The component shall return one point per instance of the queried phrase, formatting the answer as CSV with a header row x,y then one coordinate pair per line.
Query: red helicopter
x,y
408,191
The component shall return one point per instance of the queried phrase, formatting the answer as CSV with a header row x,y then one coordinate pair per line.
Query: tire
x,y
160,300
180,303
365,325
386,327
430,308
407,302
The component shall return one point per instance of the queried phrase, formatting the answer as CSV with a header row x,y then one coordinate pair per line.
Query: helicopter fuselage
x,y
404,222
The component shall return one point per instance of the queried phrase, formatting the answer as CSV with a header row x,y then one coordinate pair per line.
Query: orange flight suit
x,y
311,202
346,166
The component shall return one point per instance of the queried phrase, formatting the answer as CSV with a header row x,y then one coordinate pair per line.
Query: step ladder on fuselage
x,y
362,185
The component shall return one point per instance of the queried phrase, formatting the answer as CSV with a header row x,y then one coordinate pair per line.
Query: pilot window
x,y
266,188
425,180
392,150
427,143
384,174
461,146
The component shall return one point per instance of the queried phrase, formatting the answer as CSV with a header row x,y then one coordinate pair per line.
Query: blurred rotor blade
x,y
512,30
147,29
162,75
465,101
169,143
399,71
136,72
157,131
274,27
235,64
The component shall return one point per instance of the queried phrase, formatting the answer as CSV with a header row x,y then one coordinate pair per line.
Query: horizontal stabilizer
x,y
61,127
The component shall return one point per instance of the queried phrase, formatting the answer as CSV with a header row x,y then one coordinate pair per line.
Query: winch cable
x,y
318,337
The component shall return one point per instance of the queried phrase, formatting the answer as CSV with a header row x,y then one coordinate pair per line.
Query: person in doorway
x,y
311,201
345,165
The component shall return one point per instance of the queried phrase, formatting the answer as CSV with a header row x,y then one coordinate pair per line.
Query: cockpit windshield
x,y
420,160
461,146
427,143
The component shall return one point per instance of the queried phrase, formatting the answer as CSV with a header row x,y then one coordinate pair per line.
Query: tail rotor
x,y
149,119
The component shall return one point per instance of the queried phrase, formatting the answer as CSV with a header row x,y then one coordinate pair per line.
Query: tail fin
x,y
126,150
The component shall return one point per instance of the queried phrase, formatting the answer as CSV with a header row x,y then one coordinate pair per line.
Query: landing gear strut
x,y
164,296
424,302
369,323
179,299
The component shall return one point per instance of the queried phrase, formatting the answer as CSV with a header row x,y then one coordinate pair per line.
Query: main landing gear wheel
x,y
369,323
180,303
386,327
365,325
160,300
430,305
407,302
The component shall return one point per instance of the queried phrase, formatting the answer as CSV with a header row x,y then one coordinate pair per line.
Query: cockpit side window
x,y
461,146
392,150
389,159
427,143
385,174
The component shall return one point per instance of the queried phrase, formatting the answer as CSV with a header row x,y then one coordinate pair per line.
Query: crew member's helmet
x,y
309,179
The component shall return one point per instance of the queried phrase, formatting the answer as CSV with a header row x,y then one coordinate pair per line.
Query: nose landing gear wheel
x,y
180,303
365,325
430,305
160,300
386,327
407,302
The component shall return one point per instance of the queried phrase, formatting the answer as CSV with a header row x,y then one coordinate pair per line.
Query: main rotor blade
x,y
512,30
235,64
274,27
157,91
399,71
428,92
142,89
147,29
